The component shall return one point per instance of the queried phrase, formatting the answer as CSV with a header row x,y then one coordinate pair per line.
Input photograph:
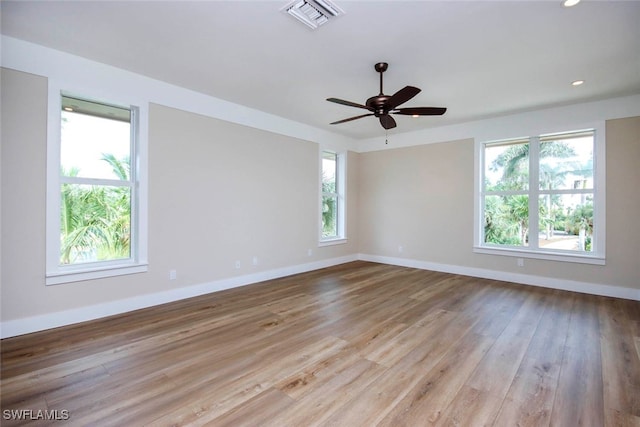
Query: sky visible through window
x,y
583,148
329,170
84,141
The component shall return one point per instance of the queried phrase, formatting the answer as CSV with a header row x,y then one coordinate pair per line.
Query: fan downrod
x,y
377,103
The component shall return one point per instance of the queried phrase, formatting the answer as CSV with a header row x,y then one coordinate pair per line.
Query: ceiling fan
x,y
383,105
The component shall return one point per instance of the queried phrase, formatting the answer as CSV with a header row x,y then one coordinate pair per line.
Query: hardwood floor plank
x,y
501,305
303,382
498,368
479,401
373,404
314,407
433,392
127,403
34,403
359,344
533,413
396,347
471,407
215,397
615,418
263,409
620,362
530,398
579,396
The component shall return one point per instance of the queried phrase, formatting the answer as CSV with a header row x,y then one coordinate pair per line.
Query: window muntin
x,y
540,186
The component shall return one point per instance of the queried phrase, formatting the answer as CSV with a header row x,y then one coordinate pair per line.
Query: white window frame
x,y
341,195
597,256
137,262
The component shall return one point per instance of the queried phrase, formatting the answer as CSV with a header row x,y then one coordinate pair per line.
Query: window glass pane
x,y
94,147
506,220
506,166
329,168
95,223
566,222
329,216
566,163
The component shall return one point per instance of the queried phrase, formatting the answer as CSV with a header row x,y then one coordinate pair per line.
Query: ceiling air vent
x,y
313,13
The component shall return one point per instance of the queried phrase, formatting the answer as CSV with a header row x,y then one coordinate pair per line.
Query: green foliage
x,y
329,208
515,164
507,217
495,224
507,220
95,221
580,218
121,168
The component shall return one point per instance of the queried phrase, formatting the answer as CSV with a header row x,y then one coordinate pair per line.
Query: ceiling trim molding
x,y
548,120
64,67
67,68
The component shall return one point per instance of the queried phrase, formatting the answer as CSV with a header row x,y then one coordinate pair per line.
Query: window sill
x,y
93,273
331,242
550,256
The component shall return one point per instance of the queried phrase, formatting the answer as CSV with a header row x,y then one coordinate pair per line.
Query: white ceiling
x,y
478,58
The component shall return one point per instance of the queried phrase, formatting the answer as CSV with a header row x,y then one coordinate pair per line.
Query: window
x,y
332,199
541,197
93,192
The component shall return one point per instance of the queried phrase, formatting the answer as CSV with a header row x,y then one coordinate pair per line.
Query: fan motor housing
x,y
378,104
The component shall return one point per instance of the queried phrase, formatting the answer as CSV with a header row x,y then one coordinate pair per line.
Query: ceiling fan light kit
x,y
381,105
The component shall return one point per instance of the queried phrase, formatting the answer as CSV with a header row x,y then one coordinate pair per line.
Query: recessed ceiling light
x,y
415,115
577,82
68,109
569,3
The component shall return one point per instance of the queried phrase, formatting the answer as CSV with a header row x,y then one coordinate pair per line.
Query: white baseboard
x,y
68,317
525,279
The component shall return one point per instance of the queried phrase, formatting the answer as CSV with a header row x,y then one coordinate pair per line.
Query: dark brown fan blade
x,y
402,96
421,111
387,122
351,118
347,103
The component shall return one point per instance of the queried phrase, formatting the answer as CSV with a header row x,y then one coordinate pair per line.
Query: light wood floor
x,y
359,344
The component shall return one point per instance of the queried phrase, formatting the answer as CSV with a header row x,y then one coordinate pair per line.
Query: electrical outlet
x,y
400,249
254,261
238,264
173,274
309,252
520,262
